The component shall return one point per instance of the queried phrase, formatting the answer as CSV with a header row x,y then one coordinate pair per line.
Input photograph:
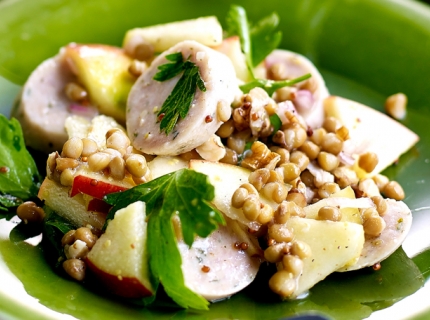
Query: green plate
x,y
366,50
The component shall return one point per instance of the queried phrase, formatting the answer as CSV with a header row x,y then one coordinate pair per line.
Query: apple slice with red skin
x,y
93,187
119,260
97,205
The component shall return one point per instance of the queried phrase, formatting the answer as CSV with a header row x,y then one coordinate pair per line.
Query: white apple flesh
x,y
333,245
370,131
118,259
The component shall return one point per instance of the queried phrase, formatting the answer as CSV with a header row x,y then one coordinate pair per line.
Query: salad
x,y
240,146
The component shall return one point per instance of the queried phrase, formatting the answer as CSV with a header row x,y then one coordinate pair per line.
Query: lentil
x,y
327,189
310,149
318,136
266,214
395,105
368,161
275,191
280,233
373,226
137,67
84,234
251,208
293,264
298,198
75,92
72,148
394,191
276,252
230,157
259,177
329,213
117,168
119,141
328,161
381,205
29,212
301,249
68,238
223,110
75,268
98,161
65,163
226,129
66,177
283,153
136,165
239,197
283,283
331,143
331,124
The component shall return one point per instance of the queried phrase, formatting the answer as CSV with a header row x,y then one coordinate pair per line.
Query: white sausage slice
x,y
44,106
214,268
147,96
309,106
398,219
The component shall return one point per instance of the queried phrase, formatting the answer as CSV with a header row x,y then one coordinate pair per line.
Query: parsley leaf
x,y
179,101
186,193
169,70
19,177
237,24
276,122
256,41
270,86
54,228
264,38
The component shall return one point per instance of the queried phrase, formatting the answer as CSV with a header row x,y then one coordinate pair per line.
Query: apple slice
x,y
226,179
398,220
118,259
103,70
93,187
370,131
333,245
206,30
231,48
161,165
95,129
73,209
349,209
97,205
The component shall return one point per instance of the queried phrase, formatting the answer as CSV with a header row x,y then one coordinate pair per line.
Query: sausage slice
x,y
148,95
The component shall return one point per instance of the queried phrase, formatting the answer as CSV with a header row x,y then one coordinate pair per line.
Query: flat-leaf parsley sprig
x,y
256,42
179,101
186,193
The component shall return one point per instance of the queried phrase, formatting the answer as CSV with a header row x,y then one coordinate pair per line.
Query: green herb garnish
x,y
256,41
270,86
186,193
54,228
264,37
276,122
179,101
19,177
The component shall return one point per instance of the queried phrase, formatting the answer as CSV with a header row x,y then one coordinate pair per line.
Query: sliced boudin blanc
x,y
43,105
307,96
221,264
207,111
398,220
